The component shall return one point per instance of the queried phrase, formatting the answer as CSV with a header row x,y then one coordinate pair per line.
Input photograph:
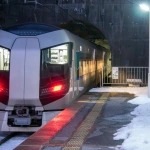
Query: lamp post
x,y
146,8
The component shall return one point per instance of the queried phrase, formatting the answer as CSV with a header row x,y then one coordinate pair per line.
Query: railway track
x,y
5,136
10,140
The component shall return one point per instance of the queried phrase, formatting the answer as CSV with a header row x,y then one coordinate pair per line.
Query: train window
x,y
55,62
4,59
55,55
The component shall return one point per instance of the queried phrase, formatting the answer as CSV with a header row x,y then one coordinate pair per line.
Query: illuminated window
x,y
4,58
55,55
59,54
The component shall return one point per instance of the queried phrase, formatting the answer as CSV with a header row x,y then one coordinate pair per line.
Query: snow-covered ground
x,y
136,135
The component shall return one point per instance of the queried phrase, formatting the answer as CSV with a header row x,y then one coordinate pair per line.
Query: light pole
x,y
146,8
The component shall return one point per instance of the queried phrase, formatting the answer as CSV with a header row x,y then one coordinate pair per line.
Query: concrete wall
x,y
123,23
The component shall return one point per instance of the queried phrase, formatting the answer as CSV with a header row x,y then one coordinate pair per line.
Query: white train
x,y
43,68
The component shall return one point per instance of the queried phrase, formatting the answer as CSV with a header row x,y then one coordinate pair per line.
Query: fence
x,y
132,76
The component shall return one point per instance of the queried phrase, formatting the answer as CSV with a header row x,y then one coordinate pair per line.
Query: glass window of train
x,y
4,59
59,54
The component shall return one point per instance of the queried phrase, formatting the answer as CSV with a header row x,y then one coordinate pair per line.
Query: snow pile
x,y
136,135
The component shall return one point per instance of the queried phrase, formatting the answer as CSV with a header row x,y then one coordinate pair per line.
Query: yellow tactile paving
x,y
71,148
81,133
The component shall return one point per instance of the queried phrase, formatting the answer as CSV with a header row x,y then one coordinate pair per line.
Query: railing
x,y
124,76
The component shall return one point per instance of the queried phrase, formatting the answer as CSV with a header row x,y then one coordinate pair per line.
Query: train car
x,y
43,68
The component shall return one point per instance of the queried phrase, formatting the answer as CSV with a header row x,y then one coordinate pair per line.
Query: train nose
x,y
25,72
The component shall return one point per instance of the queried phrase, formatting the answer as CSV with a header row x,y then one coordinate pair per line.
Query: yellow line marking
x,y
80,135
71,148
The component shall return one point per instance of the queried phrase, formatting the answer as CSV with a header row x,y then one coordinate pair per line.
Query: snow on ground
x,y
136,135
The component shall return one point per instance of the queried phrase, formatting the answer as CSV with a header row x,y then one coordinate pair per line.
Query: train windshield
x,y
55,55
55,62
55,70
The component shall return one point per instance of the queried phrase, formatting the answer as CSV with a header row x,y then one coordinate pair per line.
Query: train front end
x,y
34,75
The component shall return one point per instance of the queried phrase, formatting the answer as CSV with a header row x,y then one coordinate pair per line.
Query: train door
x,y
25,72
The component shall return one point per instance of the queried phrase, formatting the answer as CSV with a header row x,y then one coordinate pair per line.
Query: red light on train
x,y
56,88
1,88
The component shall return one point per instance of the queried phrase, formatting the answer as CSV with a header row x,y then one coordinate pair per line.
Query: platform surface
x,y
88,124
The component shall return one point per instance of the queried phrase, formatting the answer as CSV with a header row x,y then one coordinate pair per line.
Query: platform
x,y
88,124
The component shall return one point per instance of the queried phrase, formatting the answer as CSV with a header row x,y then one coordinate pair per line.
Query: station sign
x,y
115,72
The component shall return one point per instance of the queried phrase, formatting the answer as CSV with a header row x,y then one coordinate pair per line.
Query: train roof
x,y
31,29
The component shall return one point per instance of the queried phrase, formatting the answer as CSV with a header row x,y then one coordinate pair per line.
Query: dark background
x,y
122,22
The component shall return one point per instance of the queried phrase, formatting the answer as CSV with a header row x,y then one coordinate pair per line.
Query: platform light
x,y
144,7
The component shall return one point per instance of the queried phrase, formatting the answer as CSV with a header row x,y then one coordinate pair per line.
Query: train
x,y
43,68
